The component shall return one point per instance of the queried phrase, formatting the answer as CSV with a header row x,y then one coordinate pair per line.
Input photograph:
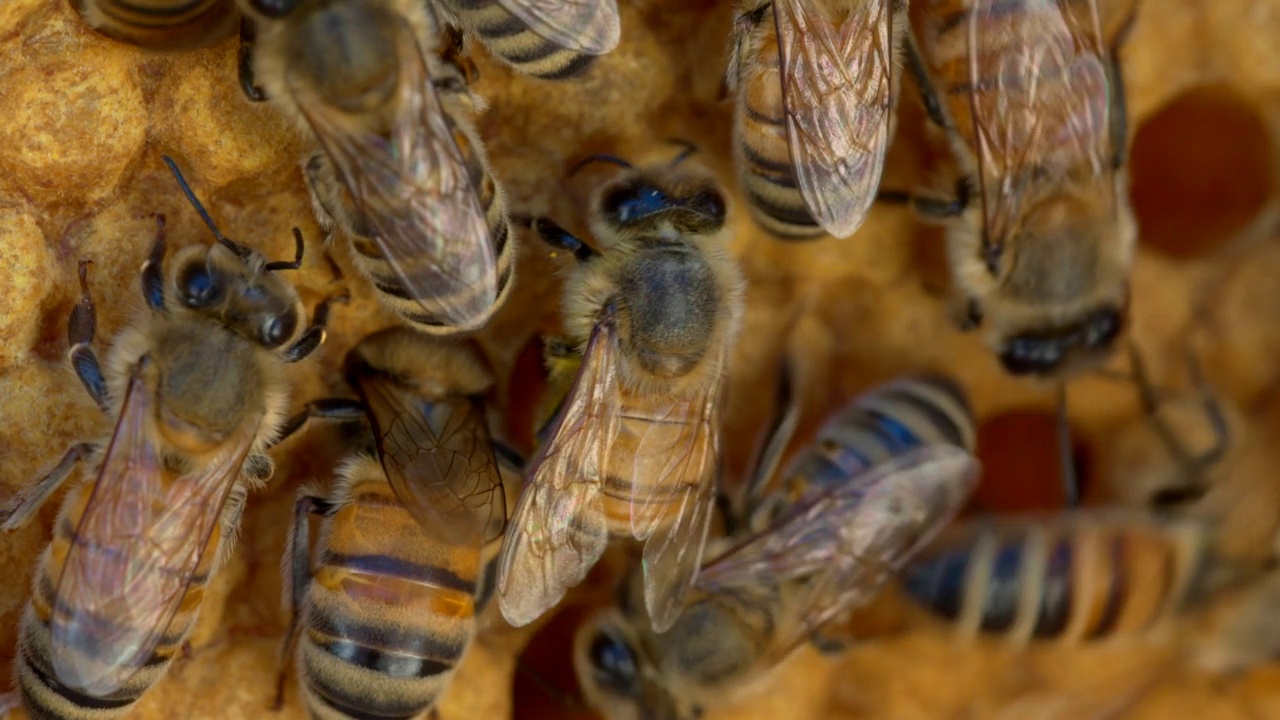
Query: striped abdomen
x,y
761,152
389,610
1072,578
161,24
370,260
887,421
511,41
42,695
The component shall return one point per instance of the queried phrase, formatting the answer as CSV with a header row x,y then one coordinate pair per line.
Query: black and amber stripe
x,y
885,422
371,262
1073,578
762,154
508,39
43,695
161,24
389,611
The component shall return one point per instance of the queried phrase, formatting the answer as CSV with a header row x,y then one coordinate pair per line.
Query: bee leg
x,y
81,328
335,409
778,434
1191,487
297,578
556,236
929,96
153,270
18,510
937,208
320,204
300,248
1119,120
248,83
314,334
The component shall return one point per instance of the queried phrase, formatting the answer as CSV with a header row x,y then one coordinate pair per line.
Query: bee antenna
x,y
240,251
689,149
611,159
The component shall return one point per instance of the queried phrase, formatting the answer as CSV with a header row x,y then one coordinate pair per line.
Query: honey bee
x,y
161,24
884,422
552,41
636,443
1031,97
401,168
390,608
1073,577
773,591
198,392
815,83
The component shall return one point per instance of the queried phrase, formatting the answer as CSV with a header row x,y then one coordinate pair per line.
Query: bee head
x,y
642,200
250,301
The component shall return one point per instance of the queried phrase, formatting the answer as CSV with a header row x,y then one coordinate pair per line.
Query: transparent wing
x,y
585,26
836,93
1039,99
672,493
416,192
558,530
134,552
438,458
839,548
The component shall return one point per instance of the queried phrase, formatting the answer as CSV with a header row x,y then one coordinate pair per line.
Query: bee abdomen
x,y
888,421
511,41
764,167
356,664
45,698
1074,581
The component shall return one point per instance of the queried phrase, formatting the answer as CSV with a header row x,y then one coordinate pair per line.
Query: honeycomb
x,y
87,118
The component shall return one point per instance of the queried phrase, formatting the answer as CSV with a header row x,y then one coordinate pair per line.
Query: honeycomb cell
x,y
1203,168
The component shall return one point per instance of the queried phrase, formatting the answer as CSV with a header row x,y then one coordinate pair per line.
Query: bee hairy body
x,y
198,391
887,421
389,611
400,166
1070,579
761,152
334,207
1042,251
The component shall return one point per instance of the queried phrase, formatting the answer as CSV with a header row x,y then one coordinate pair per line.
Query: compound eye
x,y
278,328
199,286
614,665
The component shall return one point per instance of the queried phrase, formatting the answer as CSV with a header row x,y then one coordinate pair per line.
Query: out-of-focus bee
x,y
1072,577
161,24
401,168
548,40
405,546
1031,97
815,83
1178,448
198,392
884,422
773,591
636,443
